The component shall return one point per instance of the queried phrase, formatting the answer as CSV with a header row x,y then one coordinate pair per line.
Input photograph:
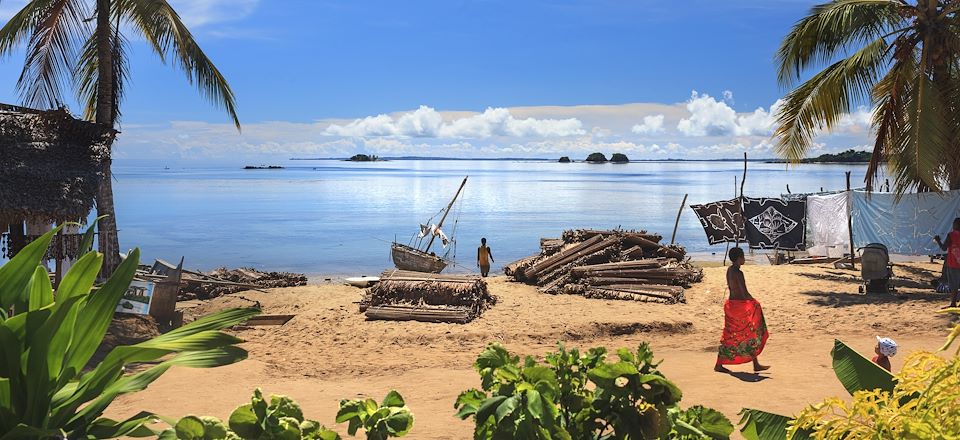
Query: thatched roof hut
x,y
50,165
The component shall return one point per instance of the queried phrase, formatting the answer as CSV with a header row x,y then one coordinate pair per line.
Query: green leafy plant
x,y
921,401
48,338
391,418
584,396
282,419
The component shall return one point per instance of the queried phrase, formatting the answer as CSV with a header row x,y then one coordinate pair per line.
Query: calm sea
x,y
337,218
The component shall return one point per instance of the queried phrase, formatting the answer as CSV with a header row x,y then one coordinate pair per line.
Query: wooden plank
x,y
548,262
423,314
268,320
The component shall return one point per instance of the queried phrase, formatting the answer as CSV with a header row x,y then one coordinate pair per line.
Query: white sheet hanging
x,y
906,226
827,220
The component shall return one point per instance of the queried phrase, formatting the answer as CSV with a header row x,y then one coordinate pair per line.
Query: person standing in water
x,y
484,257
744,329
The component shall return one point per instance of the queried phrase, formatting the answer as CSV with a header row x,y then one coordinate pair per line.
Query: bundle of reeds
x,y
405,295
610,264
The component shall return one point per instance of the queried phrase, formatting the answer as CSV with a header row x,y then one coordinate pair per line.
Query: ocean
x,y
335,218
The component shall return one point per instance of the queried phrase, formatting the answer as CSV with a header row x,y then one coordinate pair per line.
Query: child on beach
x,y
484,257
952,266
886,348
744,330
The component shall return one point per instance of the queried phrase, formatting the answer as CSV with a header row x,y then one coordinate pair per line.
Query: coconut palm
x,y
900,58
79,45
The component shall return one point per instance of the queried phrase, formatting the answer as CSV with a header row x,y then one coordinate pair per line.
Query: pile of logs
x,y
612,264
405,296
223,281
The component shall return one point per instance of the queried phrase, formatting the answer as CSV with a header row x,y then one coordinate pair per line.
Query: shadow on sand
x,y
748,377
840,299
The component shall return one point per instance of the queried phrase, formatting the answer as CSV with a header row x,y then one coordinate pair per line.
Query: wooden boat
x,y
422,260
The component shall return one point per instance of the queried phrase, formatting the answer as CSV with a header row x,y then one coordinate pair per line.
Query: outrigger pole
x,y
445,212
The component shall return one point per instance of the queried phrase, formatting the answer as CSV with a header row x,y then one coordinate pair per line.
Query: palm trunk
x,y
108,242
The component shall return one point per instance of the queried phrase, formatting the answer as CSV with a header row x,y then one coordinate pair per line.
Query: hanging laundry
x,y
722,221
424,230
827,222
905,227
443,237
775,224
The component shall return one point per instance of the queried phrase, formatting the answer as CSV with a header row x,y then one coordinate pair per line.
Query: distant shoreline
x,y
526,159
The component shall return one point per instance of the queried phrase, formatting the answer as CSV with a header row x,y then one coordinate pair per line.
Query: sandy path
x,y
329,351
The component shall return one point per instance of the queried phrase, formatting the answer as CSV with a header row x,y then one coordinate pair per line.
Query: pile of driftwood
x,y
223,281
405,296
611,264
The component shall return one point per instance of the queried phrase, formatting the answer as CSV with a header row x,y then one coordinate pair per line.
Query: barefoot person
x,y
952,267
484,257
744,330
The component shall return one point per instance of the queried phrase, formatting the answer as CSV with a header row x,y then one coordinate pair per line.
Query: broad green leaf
x,y
393,399
283,406
399,422
468,402
189,428
244,422
40,379
535,406
507,407
15,274
132,427
41,291
86,245
79,279
488,407
761,425
25,432
858,373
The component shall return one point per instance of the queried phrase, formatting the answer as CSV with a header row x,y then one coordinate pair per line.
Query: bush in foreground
x,y
282,419
585,396
47,340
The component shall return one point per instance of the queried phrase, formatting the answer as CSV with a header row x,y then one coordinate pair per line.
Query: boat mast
x,y
445,212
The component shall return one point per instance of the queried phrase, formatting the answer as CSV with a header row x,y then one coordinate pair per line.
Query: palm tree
x,y
65,51
900,58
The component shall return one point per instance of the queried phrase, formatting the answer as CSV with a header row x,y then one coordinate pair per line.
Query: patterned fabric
x,y
744,332
775,224
722,221
906,226
887,346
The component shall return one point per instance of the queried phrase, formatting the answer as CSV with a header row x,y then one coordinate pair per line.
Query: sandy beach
x,y
329,351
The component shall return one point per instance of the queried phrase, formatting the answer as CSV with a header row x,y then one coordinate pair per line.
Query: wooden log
x,y
632,264
424,314
598,247
635,253
562,256
640,273
626,295
669,253
592,232
605,281
639,240
516,268
673,290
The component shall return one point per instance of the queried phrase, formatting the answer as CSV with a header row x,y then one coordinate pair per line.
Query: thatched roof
x,y
50,164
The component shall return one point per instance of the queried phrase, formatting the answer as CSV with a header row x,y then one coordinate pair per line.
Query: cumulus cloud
x,y
197,13
709,117
428,122
652,124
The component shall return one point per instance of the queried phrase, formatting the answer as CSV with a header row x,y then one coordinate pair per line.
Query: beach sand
x,y
329,351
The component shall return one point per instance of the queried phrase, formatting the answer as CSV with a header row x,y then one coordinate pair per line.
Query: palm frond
x,y
162,28
832,29
86,74
51,52
890,94
822,100
916,159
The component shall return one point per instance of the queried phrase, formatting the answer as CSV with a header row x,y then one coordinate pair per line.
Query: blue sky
x,y
466,78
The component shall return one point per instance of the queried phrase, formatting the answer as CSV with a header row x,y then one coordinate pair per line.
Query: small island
x,y
262,167
364,158
565,159
596,158
849,156
619,158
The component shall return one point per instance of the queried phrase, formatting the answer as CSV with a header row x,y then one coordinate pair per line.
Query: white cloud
x,y
709,117
198,13
428,122
652,124
728,95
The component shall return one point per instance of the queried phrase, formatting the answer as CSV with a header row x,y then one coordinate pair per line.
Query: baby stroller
x,y
875,269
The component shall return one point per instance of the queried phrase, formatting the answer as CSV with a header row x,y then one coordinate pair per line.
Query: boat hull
x,y
408,258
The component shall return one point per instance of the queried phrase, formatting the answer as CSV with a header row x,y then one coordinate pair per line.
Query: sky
x,y
471,79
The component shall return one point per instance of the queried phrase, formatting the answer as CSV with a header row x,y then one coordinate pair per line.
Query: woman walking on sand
x,y
744,330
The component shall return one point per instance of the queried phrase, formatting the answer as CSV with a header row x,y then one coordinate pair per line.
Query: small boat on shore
x,y
362,282
422,260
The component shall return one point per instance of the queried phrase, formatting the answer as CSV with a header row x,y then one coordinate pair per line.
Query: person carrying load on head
x,y
952,246
484,257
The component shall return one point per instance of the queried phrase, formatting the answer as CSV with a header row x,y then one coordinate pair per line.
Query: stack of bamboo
x,y
612,264
404,295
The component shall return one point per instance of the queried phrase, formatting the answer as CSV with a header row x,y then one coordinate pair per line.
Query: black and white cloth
x,y
722,221
775,224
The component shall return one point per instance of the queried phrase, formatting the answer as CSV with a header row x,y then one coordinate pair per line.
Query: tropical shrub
x,y
922,401
584,396
48,338
282,419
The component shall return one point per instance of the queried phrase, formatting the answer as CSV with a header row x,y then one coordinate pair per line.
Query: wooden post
x,y
850,222
788,189
677,223
744,179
